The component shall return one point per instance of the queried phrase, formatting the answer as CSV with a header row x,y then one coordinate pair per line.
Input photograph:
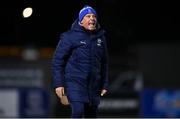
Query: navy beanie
x,y
86,10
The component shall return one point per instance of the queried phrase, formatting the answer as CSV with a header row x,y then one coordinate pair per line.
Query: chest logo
x,y
99,41
82,42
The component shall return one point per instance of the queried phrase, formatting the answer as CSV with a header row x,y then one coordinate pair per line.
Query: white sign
x,y
9,103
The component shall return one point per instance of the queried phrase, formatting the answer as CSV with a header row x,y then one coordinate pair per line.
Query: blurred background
x,y
143,45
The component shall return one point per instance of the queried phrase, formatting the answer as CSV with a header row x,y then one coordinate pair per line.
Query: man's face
x,y
89,22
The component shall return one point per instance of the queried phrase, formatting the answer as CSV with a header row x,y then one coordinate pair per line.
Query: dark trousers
x,y
83,110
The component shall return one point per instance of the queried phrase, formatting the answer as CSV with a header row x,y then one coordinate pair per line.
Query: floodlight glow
x,y
27,12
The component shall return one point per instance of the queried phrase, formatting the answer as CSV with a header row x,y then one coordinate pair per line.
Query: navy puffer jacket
x,y
80,64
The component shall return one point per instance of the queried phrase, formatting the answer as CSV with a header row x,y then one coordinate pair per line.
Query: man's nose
x,y
91,17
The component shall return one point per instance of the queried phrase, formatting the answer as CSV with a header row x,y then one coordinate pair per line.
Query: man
x,y
80,66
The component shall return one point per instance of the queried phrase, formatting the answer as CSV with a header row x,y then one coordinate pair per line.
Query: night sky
x,y
126,22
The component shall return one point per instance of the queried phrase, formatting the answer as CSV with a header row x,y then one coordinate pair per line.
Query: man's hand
x,y
103,92
60,91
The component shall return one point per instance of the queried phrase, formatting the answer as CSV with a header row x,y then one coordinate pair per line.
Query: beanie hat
x,y
86,10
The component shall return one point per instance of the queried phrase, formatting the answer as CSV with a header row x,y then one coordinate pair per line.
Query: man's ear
x,y
80,23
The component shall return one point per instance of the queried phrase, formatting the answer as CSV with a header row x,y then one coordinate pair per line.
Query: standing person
x,y
80,66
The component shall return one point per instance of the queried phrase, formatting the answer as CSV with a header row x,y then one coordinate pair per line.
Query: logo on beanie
x,y
88,7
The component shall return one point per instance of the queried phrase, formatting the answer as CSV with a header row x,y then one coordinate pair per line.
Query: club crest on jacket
x,y
99,41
